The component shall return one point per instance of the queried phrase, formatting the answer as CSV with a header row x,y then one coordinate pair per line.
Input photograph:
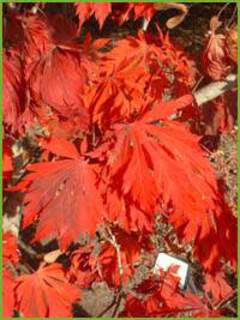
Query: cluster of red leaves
x,y
122,12
47,284
114,156
89,265
163,298
119,12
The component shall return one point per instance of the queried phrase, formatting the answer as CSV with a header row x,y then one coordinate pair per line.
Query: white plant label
x,y
164,261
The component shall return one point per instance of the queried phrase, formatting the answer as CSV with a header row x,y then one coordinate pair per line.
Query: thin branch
x,y
233,17
113,241
102,313
197,84
25,268
222,9
29,250
215,89
118,303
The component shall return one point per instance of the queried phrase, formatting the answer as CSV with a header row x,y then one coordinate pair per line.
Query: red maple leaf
x,y
148,164
119,89
13,89
125,81
86,10
46,293
57,81
63,195
37,39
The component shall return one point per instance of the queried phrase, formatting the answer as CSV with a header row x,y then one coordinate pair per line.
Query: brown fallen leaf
x,y
232,43
214,59
176,20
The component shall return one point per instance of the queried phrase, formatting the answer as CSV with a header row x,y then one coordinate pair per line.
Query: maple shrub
x,y
103,165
